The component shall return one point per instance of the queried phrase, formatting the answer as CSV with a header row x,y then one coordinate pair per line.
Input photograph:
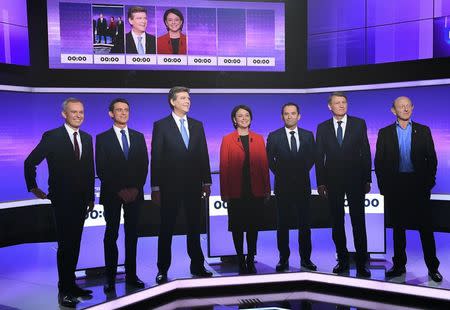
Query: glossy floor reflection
x,y
28,273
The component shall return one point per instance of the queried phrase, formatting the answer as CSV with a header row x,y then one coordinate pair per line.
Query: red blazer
x,y
232,157
165,45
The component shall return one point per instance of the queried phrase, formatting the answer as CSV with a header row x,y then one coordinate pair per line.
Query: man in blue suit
x,y
290,151
343,168
180,177
70,160
122,165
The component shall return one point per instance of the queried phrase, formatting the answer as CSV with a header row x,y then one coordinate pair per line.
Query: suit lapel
x,y
413,139
394,137
284,140
332,132
67,142
115,142
176,131
348,131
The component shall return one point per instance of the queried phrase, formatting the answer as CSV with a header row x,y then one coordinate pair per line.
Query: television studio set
x,y
225,154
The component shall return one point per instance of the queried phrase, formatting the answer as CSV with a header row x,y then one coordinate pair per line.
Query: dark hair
x,y
336,94
177,13
237,108
173,92
288,105
114,101
136,9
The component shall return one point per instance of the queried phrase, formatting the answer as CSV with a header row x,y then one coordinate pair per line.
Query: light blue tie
x,y
140,47
184,133
125,144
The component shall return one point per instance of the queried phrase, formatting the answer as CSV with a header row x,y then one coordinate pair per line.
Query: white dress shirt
x,y
177,121
288,134
343,125
136,40
119,135
70,131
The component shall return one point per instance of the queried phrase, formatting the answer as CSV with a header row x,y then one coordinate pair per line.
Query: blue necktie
x,y
140,47
184,133
126,148
339,133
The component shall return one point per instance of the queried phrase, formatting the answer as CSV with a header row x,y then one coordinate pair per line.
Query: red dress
x,y
164,44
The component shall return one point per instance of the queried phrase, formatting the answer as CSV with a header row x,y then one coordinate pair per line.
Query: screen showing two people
x,y
206,35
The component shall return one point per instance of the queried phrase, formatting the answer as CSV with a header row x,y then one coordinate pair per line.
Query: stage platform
x,y
28,279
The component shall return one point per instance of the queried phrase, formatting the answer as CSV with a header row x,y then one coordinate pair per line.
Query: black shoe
x,y
251,265
67,300
341,268
308,265
242,267
109,287
395,271
135,282
161,277
77,291
202,273
282,265
435,275
363,272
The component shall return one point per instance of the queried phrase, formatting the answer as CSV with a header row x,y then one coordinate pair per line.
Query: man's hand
x,y
156,197
267,196
38,193
90,206
367,188
124,194
323,191
133,193
206,191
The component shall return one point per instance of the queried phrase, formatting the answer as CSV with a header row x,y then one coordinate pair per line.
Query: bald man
x,y
405,165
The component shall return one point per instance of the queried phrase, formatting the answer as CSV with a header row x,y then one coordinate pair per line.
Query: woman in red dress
x,y
174,41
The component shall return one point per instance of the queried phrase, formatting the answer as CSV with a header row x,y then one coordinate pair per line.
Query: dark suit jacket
x,y
291,172
174,168
68,177
350,163
387,157
131,48
114,171
102,26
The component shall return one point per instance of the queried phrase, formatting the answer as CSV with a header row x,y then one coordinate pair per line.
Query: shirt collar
x,y
70,130
398,123
288,131
177,118
344,120
136,36
117,130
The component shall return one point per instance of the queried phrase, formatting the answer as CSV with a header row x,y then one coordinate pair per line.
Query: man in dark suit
x,y
180,176
291,151
137,40
102,28
405,165
343,168
122,165
69,155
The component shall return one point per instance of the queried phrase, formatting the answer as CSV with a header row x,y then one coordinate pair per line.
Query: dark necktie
x,y
293,143
339,134
125,144
76,146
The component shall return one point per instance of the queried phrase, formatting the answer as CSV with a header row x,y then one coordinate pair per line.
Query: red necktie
x,y
76,146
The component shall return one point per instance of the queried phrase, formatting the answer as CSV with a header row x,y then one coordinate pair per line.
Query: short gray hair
x,y
69,100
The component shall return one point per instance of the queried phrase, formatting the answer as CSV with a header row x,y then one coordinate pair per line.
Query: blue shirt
x,y
404,143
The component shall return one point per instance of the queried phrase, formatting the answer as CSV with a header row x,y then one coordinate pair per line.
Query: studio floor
x,y
28,275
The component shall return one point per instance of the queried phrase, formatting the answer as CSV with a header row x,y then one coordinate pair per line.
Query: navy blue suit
x,y
70,189
292,188
345,170
117,173
180,173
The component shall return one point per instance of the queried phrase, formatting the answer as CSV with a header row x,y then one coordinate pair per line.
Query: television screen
x,y
14,48
196,35
344,33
